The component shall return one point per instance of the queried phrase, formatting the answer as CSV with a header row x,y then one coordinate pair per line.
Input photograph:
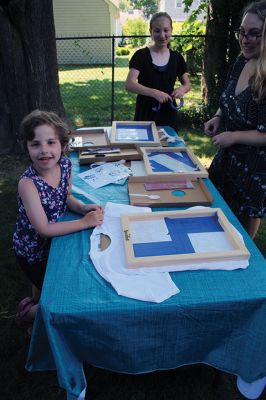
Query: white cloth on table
x,y
154,286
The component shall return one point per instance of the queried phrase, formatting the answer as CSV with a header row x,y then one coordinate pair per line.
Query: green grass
x,y
87,94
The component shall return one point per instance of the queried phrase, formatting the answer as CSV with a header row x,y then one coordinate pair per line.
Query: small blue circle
x,y
178,193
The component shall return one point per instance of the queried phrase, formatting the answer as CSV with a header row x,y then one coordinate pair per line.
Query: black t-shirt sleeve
x,y
181,64
136,60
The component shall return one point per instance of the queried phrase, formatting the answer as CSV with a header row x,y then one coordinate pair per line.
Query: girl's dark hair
x,y
37,118
160,15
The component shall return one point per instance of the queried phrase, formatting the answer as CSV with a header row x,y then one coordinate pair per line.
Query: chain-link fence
x,y
93,70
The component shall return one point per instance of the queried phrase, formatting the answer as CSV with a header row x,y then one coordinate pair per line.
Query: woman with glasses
x,y
153,72
238,128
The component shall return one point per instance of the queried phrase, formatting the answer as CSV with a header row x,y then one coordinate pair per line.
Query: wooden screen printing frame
x,y
91,138
148,125
126,154
198,195
239,251
199,173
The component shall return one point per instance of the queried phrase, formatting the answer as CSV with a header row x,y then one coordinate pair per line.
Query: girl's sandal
x,y
22,319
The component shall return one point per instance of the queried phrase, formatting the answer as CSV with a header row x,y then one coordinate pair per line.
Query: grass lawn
x,y
87,94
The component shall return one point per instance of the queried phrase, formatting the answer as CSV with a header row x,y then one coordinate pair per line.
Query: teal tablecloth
x,y
218,318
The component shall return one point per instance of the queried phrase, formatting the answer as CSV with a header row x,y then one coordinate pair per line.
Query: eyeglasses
x,y
251,36
172,104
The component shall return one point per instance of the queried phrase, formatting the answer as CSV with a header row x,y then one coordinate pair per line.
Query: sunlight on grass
x,y
87,94
199,143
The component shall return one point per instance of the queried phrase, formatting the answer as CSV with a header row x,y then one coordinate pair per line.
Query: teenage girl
x,y
153,72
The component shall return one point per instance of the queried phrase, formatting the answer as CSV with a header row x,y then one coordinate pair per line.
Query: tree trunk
x,y
221,48
28,66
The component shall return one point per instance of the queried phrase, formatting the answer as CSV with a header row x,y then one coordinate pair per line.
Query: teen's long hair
x,y
258,83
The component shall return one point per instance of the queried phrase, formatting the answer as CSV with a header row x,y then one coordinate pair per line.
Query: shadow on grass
x,y
122,61
198,142
89,103
119,62
77,67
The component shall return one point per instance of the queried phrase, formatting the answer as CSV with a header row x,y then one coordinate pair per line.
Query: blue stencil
x,y
146,128
156,167
181,156
179,242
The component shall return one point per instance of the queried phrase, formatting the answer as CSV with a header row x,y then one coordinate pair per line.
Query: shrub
x,y
136,27
122,51
177,27
192,48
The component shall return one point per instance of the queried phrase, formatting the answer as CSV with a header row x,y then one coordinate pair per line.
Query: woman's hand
x,y
211,126
224,139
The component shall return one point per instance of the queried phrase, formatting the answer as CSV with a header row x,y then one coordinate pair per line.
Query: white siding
x,y
84,18
177,13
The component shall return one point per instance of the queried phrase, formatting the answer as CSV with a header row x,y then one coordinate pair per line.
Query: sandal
x,y
23,309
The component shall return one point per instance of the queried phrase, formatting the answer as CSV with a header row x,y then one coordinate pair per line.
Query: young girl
x,y
44,194
153,72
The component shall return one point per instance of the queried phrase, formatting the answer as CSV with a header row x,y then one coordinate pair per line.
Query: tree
x,y
28,66
148,6
124,5
191,48
221,48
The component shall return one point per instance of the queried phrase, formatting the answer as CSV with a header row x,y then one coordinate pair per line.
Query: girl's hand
x,y
211,126
93,218
90,207
161,97
178,93
224,139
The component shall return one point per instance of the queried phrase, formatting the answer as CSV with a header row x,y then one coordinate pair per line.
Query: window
x,y
178,4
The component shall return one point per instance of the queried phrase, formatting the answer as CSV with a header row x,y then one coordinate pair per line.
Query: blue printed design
x,y
147,129
181,156
179,242
156,167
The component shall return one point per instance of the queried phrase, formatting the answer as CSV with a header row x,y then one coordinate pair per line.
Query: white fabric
x,y
138,284
82,395
104,174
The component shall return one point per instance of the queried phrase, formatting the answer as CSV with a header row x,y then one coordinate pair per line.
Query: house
x,y
130,14
82,18
175,8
